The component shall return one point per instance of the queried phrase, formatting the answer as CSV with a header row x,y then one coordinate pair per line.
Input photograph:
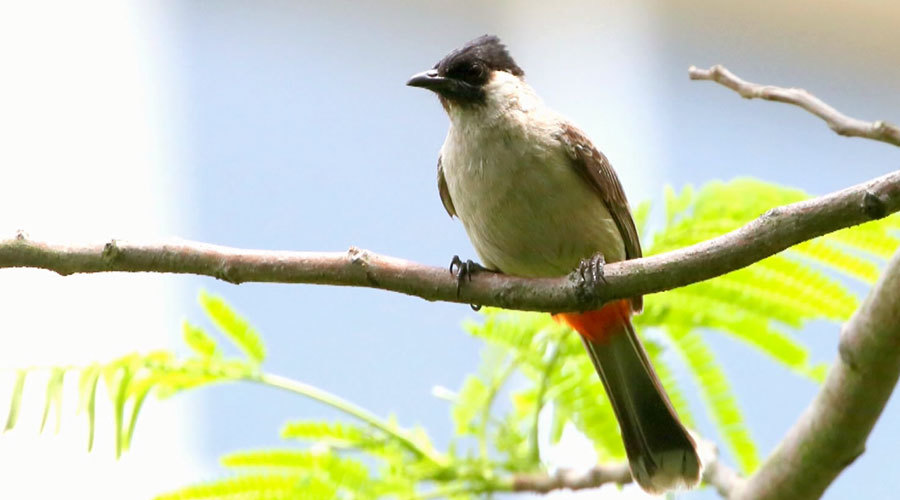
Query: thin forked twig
x,y
842,124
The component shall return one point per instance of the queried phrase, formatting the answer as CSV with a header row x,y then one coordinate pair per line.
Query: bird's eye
x,y
470,72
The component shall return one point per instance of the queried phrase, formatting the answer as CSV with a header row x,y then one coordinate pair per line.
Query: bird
x,y
538,199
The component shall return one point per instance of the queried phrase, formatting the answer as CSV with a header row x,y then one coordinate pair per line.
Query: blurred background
x,y
287,125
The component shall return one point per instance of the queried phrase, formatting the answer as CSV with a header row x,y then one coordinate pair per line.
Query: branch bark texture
x,y
769,234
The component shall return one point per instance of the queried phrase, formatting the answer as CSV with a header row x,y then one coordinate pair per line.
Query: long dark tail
x,y
661,453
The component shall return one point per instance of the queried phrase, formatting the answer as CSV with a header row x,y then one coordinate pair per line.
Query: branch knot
x,y
111,251
873,206
225,272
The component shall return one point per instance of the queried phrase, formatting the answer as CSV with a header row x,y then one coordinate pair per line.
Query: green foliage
x,y
337,435
131,378
236,328
256,487
16,403
760,304
53,396
87,396
496,421
717,394
199,341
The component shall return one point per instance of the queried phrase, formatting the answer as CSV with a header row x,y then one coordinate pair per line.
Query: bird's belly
x,y
533,217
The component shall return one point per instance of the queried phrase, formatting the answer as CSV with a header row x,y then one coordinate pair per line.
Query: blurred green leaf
x,y
53,396
199,341
236,328
16,401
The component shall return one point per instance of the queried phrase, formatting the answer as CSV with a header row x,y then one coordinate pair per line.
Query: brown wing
x,y
442,189
593,166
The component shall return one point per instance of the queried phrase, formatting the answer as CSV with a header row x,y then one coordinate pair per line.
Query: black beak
x,y
449,88
430,80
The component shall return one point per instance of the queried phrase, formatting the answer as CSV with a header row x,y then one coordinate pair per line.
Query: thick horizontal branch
x,y
837,121
769,234
833,430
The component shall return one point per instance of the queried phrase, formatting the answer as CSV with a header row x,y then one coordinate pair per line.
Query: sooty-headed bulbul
x,y
537,199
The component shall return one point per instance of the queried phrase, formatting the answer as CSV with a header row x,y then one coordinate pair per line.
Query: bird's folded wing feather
x,y
595,168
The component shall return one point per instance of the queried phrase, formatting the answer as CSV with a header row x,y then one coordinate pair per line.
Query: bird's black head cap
x,y
474,61
461,75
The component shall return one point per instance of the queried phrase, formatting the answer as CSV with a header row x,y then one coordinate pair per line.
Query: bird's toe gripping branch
x,y
589,274
463,271
590,270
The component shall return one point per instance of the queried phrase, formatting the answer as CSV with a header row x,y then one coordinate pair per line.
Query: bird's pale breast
x,y
525,208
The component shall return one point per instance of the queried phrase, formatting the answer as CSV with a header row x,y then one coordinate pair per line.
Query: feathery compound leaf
x,y
198,340
641,214
119,398
579,395
838,259
573,387
468,404
328,467
718,395
138,392
335,434
669,382
16,401
254,487
784,288
684,309
879,238
87,394
53,397
236,328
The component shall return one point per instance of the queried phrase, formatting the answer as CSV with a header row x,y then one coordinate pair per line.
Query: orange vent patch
x,y
599,325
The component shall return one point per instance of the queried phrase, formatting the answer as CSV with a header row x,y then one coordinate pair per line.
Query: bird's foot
x,y
463,271
589,273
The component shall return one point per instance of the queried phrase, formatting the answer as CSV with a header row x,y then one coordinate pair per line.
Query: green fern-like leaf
x,y
87,397
878,239
236,328
333,434
256,487
718,395
342,471
469,403
118,376
53,396
138,392
573,387
198,340
756,305
670,383
16,402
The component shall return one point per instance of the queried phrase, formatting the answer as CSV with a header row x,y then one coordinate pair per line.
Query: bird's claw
x,y
590,271
463,271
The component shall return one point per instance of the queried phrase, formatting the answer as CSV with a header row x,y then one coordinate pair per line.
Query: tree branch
x,y
769,234
833,430
837,121
594,477
718,475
